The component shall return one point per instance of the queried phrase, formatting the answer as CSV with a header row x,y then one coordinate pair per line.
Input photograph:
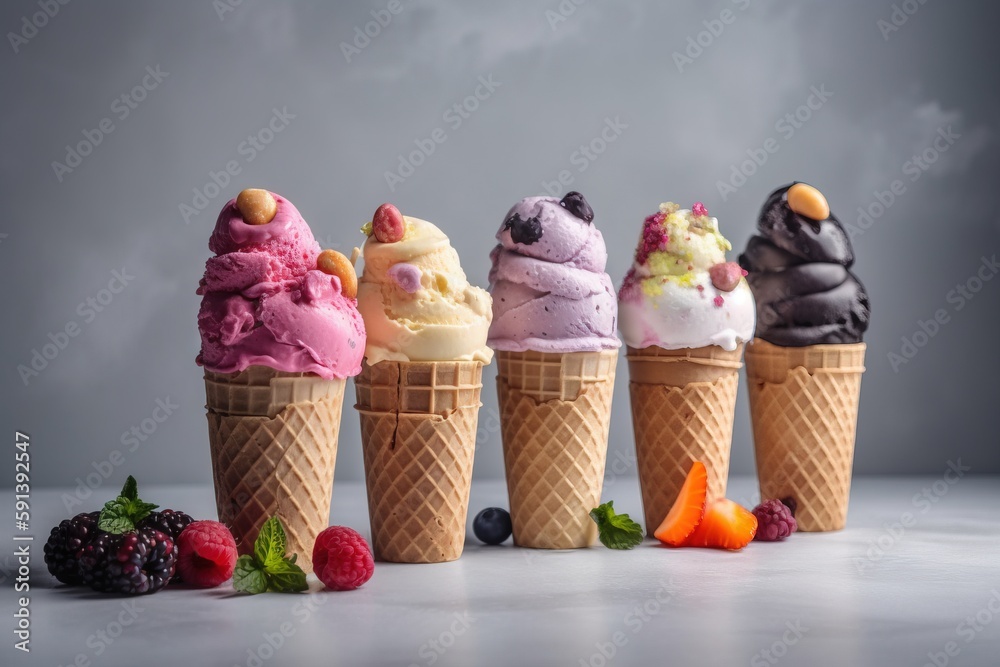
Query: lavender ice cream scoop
x,y
550,290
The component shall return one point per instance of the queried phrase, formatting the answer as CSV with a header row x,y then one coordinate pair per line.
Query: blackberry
x,y
132,563
64,544
170,522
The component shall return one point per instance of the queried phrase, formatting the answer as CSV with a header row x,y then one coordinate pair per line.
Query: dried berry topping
x,y
654,237
523,231
726,276
578,206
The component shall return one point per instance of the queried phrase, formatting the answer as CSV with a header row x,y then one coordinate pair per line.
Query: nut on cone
x,y
555,412
274,445
683,404
804,409
418,432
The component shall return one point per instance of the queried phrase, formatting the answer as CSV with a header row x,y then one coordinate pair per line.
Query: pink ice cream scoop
x,y
266,303
550,291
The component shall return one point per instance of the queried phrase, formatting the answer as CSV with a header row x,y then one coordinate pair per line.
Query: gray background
x,y
686,129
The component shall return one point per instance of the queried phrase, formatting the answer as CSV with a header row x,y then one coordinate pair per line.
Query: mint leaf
x,y
268,569
123,514
114,517
248,577
131,489
286,577
271,542
139,510
616,531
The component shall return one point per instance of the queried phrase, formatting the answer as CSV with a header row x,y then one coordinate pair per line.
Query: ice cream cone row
x,y
418,430
683,403
804,408
555,412
273,438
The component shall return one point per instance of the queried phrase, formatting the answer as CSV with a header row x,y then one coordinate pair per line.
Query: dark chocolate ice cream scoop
x,y
799,272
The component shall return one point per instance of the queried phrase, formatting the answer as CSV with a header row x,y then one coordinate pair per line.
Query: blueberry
x,y
578,206
522,231
492,525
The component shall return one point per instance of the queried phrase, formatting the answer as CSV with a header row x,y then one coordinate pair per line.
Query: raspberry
x,y
774,521
207,554
342,559
65,543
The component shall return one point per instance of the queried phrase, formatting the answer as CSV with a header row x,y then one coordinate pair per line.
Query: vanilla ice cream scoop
x,y
416,301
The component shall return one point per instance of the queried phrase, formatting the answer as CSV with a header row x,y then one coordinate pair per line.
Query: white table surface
x,y
870,595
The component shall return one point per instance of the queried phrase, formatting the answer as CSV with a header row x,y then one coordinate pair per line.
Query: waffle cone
x,y
804,408
274,446
683,404
555,412
418,432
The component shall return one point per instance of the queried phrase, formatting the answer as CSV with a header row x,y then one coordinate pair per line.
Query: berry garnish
x,y
388,224
492,525
130,563
206,554
127,555
64,544
726,525
126,548
523,231
269,568
616,531
774,521
654,237
726,276
170,522
688,510
578,206
342,559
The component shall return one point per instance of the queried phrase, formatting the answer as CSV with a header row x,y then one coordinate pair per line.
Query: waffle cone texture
x,y
555,412
418,432
804,409
683,404
274,446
